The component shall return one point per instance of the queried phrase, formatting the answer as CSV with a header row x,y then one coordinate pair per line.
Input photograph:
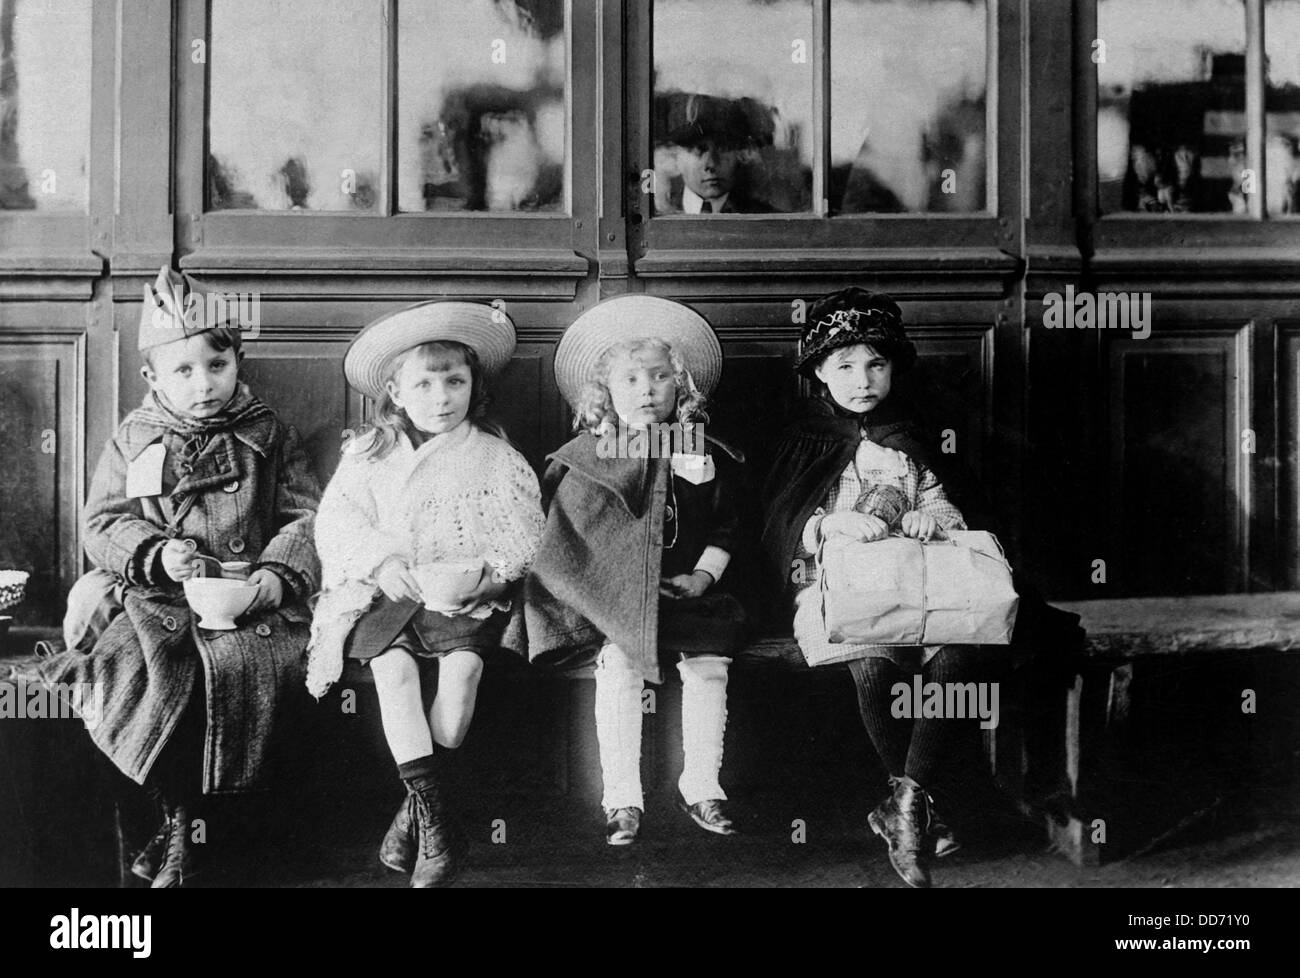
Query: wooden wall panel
x,y
302,379
526,403
40,432
1179,500
1288,452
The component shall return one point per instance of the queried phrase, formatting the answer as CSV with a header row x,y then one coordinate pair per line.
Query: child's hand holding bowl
x,y
485,588
394,578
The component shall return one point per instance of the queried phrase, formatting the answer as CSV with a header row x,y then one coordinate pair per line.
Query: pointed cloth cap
x,y
636,317
175,309
489,331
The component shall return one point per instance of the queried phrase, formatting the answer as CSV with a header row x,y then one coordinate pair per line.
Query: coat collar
x,y
629,479
139,431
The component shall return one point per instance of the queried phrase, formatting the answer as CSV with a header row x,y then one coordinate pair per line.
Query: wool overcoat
x,y
255,499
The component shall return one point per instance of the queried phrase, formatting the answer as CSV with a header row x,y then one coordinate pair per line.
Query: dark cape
x,y
808,459
596,575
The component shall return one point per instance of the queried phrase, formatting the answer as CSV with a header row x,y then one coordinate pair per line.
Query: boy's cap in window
x,y
488,330
691,119
850,317
175,308
631,318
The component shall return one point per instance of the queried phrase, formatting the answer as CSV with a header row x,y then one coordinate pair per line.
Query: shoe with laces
x,y
708,815
622,826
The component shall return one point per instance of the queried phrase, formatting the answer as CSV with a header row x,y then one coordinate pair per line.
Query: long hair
x,y
595,412
389,423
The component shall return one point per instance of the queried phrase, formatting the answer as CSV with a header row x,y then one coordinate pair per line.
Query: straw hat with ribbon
x,y
630,318
488,330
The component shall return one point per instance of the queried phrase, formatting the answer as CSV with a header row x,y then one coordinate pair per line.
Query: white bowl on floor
x,y
443,583
219,601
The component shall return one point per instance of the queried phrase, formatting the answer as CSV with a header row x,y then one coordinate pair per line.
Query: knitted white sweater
x,y
462,494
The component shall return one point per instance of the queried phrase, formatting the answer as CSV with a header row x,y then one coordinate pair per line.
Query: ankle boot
x,y
902,820
151,856
177,867
437,853
942,837
402,840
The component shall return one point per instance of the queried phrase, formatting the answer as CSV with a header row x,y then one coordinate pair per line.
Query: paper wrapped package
x,y
899,591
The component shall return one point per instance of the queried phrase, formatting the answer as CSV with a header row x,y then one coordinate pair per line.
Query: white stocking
x,y
618,728
704,724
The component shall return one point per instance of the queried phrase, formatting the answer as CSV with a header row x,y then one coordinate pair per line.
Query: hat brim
x,y
636,317
488,330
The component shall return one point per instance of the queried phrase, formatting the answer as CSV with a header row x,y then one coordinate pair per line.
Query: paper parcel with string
x,y
899,591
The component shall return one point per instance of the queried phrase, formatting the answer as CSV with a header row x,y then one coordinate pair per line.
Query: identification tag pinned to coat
x,y
144,474
697,469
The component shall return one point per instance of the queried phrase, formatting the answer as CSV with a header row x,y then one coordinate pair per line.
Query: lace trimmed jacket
x,y
462,494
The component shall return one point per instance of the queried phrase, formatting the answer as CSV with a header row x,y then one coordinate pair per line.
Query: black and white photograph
x,y
685,444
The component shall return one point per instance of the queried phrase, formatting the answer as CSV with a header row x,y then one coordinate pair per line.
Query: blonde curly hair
x,y
595,412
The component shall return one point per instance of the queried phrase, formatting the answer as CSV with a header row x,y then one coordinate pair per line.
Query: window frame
x,y
748,245
543,253
53,254
1214,242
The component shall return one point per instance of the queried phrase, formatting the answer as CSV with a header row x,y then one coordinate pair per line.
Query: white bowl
x,y
218,601
444,583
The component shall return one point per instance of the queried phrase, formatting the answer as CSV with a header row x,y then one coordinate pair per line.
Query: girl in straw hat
x,y
641,526
429,518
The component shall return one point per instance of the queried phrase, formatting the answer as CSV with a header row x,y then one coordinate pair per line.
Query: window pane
x,y
44,104
482,118
908,122
1282,103
295,104
733,105
1171,107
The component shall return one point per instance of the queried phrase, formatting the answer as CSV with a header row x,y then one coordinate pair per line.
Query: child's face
x,y
642,387
195,380
436,400
857,376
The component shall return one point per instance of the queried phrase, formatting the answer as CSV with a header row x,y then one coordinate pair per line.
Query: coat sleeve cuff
x,y
145,565
295,553
294,582
810,528
713,562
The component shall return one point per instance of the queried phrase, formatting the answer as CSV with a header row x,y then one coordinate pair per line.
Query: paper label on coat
x,y
697,469
144,474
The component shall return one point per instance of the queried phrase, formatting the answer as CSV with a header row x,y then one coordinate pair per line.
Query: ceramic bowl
x,y
443,583
218,602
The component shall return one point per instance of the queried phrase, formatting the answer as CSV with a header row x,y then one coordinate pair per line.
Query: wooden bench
x,y
1055,752
1169,638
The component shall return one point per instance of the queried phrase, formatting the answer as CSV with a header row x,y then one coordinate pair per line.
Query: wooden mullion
x,y
388,129
1255,117
821,161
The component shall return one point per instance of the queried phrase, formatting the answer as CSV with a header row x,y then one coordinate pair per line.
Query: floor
x,y
1248,842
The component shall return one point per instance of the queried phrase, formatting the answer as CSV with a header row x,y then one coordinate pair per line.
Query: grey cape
x,y
596,576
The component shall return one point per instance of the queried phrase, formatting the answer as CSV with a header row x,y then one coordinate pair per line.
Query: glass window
x,y
44,104
732,123
296,104
1171,122
908,116
481,116
1282,107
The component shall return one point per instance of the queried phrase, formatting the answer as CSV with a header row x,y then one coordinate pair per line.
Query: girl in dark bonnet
x,y
855,466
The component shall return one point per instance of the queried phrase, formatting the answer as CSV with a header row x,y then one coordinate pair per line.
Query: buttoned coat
x,y
254,499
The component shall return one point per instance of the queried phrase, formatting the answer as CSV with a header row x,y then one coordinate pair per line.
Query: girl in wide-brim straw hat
x,y
637,539
429,519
